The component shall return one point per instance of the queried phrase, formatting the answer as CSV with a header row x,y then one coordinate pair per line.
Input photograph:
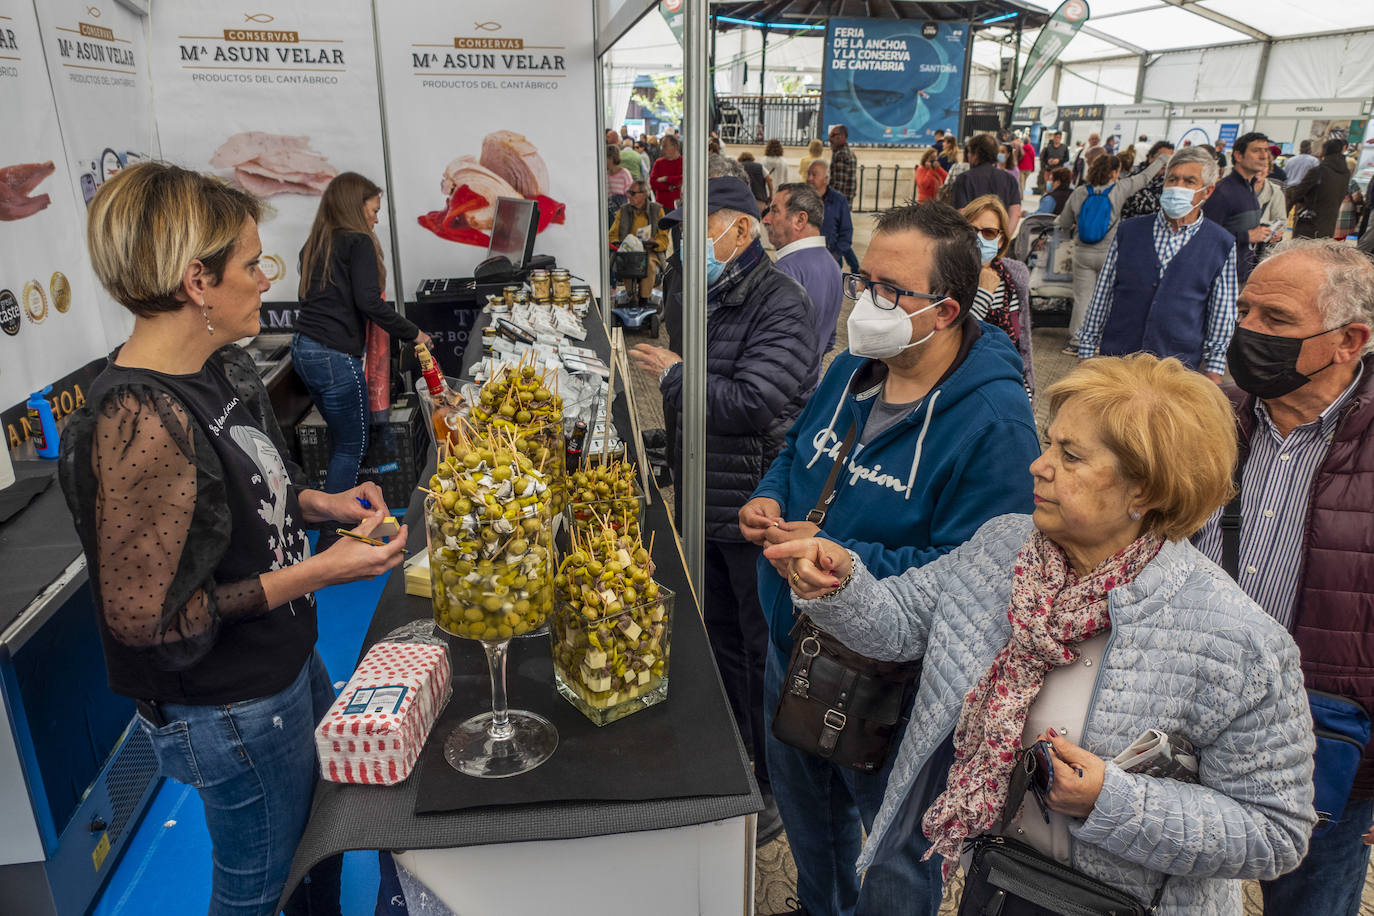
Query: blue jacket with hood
x,y
922,487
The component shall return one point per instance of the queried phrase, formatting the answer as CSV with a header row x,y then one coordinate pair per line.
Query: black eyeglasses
x,y
988,233
855,284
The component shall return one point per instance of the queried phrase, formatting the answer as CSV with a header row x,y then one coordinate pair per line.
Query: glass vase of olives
x,y
521,402
491,574
605,494
612,629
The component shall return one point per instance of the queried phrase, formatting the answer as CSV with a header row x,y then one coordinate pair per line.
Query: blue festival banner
x,y
894,83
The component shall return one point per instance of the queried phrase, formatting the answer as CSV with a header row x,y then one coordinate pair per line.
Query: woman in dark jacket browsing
x,y
191,519
342,276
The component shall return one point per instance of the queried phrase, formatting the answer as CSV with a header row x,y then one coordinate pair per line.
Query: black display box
x,y
396,451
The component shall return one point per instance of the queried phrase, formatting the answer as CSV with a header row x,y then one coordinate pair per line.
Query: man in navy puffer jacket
x,y
761,358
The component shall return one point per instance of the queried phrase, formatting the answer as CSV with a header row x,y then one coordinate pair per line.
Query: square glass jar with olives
x,y
611,637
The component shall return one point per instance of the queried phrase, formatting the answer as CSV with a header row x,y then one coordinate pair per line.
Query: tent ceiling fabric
x,y
815,12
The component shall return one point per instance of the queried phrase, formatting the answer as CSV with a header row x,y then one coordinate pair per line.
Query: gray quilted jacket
x,y
1189,653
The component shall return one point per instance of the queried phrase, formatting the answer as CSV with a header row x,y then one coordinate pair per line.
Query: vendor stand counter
x,y
543,841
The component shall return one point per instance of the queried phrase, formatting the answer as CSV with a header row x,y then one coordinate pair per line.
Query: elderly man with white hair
x,y
761,358
1302,358
1168,284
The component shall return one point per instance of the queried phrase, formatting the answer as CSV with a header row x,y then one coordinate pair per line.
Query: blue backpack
x,y
1095,216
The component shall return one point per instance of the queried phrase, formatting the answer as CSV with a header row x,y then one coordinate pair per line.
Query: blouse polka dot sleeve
x,y
143,493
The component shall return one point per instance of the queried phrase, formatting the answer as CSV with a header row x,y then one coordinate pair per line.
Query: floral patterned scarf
x,y
1052,609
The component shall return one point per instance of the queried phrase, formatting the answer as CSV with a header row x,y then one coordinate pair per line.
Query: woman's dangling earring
x,y
208,326
1135,516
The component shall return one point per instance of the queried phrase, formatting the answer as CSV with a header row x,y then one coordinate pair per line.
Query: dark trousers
x,y
739,639
1331,878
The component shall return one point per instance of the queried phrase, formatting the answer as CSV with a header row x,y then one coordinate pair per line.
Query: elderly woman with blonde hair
x,y
1073,631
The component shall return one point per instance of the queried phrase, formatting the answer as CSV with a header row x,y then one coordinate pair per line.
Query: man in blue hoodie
x,y
940,439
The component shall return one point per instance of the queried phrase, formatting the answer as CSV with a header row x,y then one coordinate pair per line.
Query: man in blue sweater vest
x,y
932,432
1168,285
793,220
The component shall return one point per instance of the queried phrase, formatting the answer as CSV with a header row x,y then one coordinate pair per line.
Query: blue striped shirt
x,y
1221,305
1274,489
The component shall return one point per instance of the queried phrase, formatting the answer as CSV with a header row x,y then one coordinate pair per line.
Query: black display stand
x,y
352,817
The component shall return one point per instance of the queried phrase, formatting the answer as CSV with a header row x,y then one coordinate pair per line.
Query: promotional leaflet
x,y
893,82
98,63
276,101
50,323
490,99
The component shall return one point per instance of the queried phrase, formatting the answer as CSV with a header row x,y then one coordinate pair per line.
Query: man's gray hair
x,y
1347,296
755,227
718,166
802,198
1210,172
818,164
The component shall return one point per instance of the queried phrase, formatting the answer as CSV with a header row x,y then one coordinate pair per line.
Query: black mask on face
x,y
1266,365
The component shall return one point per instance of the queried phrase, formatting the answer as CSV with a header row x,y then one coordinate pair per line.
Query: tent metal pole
x,y
1140,78
692,424
1261,71
605,293
763,75
963,91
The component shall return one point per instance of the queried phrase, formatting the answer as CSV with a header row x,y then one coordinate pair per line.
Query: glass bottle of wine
x,y
445,415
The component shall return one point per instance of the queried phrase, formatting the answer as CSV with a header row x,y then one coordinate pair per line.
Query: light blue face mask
x,y
1176,202
987,248
714,266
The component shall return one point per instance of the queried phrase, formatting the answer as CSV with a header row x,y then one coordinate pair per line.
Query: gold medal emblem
x,y
61,291
35,301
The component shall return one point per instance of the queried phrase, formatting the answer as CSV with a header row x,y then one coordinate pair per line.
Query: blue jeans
x,y
336,384
822,807
1330,880
253,764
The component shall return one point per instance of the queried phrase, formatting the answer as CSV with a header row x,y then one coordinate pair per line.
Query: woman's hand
x,y
349,560
1078,777
816,566
425,339
344,507
757,516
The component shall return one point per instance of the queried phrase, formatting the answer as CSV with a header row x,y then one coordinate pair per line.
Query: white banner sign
x,y
277,101
1348,108
488,99
50,322
98,63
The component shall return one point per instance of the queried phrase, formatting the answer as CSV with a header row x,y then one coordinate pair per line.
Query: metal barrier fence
x,y
795,120
883,186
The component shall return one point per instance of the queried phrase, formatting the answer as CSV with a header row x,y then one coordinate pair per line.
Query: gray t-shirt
x,y
884,416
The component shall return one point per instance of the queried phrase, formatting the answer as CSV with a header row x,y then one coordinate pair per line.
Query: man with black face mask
x,y
1301,355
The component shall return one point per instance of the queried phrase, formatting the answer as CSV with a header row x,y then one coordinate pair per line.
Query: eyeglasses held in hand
x,y
883,293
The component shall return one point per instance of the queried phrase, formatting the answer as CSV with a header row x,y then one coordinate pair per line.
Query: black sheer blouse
x,y
182,500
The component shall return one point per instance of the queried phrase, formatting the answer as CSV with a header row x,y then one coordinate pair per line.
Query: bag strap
x,y
1230,533
817,515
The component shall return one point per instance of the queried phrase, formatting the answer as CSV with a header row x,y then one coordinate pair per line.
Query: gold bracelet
x,y
839,588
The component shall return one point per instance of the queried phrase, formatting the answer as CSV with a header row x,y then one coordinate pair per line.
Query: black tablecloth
x,y
348,817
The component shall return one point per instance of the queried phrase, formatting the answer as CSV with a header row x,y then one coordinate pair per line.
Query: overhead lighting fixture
x,y
993,19
770,25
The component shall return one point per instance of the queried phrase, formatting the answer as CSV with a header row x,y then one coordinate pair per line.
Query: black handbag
x,y
837,704
1009,878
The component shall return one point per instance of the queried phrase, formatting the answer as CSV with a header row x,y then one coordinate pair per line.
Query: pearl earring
x,y
206,313
1135,516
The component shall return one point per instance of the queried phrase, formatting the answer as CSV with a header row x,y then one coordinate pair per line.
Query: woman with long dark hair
x,y
342,276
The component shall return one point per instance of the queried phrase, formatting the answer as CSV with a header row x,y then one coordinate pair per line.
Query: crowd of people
x,y
983,620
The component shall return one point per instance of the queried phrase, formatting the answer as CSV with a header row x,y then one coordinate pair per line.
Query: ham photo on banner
x,y
509,166
489,99
276,86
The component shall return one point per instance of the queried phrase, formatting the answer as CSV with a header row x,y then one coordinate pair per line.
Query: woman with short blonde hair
x,y
192,520
1070,633
815,151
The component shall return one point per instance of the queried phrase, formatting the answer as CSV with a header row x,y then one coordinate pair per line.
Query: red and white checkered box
x,y
373,733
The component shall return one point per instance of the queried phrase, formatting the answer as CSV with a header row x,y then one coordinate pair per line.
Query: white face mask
x,y
882,333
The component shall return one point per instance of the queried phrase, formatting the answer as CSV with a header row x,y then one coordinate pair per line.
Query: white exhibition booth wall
x,y
445,106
